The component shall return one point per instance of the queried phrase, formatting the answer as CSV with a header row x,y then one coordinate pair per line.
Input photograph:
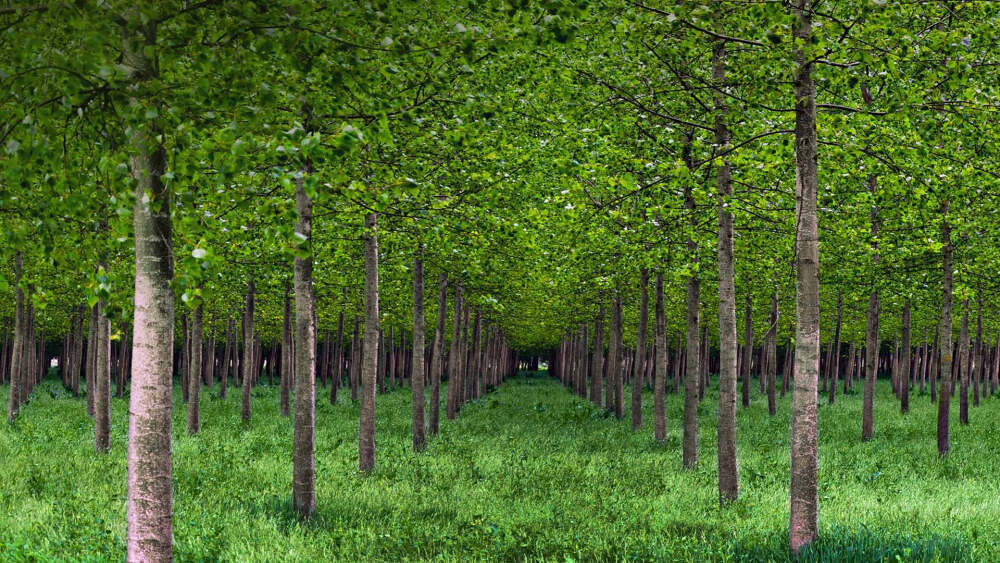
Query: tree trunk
x,y
945,331
597,360
804,454
660,384
287,355
17,356
771,344
690,439
150,483
304,425
338,354
871,333
248,353
417,377
904,361
747,351
437,355
963,366
194,380
835,360
369,369
618,358
640,349
454,378
727,427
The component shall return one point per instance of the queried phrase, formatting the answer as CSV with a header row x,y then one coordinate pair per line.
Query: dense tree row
x,y
206,194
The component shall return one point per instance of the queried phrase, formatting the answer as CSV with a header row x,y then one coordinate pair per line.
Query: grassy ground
x,y
528,473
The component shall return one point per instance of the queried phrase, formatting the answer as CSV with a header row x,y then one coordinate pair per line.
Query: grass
x,y
528,473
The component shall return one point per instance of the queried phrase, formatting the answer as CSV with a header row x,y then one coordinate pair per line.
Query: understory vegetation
x,y
528,472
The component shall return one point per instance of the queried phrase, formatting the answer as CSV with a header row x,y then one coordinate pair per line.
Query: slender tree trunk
x,y
945,332
150,498
338,354
355,371
417,377
304,425
771,343
978,354
618,358
660,384
369,370
871,334
91,370
597,360
835,360
747,351
194,380
287,356
963,366
904,361
248,353
227,358
17,356
454,363
437,355
804,453
640,349
727,426
690,439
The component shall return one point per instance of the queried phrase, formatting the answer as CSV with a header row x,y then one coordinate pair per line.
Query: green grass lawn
x,y
529,472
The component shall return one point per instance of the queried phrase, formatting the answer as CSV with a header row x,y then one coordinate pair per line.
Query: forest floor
x,y
529,472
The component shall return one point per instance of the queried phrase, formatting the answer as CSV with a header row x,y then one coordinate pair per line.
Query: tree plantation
x,y
518,280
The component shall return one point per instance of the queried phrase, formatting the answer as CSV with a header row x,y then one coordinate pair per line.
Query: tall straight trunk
x,y
209,375
618,358
17,356
610,363
803,490
945,331
871,333
679,359
904,361
227,358
690,439
338,355
465,358
660,383
978,354
849,373
150,497
287,355
194,380
369,369
304,425
640,349
747,351
355,369
454,363
786,371
437,356
417,377
597,360
78,351
963,366
728,466
323,353
835,360
476,373
248,353
995,367
771,345
185,355
91,370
